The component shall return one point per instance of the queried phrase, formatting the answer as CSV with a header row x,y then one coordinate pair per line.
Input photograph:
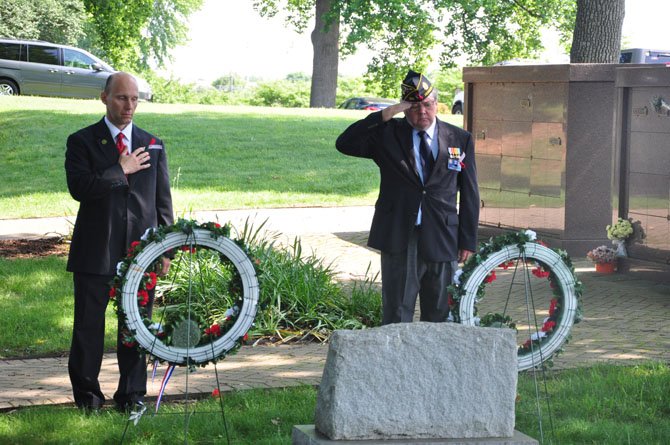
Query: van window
x,y
12,51
43,54
76,59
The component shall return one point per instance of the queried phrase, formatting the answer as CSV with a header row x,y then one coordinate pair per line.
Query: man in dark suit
x,y
118,173
422,233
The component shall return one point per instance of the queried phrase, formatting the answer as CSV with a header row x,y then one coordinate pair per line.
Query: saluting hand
x,y
136,161
390,111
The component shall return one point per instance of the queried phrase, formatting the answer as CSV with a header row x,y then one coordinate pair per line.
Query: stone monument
x,y
409,382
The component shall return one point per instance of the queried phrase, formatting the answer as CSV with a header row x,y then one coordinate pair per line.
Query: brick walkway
x,y
626,318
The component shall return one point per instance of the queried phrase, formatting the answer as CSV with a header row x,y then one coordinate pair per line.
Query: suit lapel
x,y
445,139
105,142
138,140
407,148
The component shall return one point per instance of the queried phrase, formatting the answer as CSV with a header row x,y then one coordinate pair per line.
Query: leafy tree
x,y
408,33
229,83
131,34
58,21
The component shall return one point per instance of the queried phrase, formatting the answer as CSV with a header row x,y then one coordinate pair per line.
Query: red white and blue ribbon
x,y
166,379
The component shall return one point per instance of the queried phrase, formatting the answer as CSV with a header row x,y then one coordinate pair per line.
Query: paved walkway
x,y
627,319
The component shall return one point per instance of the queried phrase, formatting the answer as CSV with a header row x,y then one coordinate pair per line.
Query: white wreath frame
x,y
197,354
565,279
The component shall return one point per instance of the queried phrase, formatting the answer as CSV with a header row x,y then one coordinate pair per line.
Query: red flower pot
x,y
605,268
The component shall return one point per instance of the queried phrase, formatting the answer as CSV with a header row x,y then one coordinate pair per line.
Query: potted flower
x,y
619,232
604,257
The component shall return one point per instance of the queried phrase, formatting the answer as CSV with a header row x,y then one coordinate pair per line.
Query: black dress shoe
x,y
90,410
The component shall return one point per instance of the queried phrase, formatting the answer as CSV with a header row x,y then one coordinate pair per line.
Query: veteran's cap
x,y
416,87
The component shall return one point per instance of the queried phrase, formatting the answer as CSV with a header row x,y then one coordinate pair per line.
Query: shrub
x,y
299,297
282,94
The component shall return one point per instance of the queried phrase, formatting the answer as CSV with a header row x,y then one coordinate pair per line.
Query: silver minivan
x,y
642,55
48,69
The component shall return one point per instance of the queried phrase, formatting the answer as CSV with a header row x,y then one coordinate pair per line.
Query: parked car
x,y
367,103
457,103
642,55
48,69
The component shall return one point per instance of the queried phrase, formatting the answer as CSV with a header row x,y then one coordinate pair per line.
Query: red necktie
x,y
120,145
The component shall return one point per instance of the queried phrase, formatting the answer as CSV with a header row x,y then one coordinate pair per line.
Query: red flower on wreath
x,y
112,293
151,283
216,392
143,297
490,278
507,264
552,306
132,247
548,326
188,249
540,272
214,330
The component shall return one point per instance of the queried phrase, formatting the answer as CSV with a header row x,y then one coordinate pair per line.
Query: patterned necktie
x,y
427,160
120,145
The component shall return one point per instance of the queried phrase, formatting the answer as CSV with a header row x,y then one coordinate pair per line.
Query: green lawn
x,y
604,405
220,157
37,307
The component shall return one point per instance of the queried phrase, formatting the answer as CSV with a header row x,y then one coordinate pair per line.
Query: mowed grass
x,y
605,405
37,308
220,157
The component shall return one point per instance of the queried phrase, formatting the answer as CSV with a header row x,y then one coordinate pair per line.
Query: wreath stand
x,y
546,337
186,352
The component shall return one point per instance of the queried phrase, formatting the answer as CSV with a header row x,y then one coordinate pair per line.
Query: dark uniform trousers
x,y
404,274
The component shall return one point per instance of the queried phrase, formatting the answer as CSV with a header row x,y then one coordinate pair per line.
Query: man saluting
x,y
422,233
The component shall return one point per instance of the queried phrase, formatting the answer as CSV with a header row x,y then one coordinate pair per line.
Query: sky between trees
x,y
248,44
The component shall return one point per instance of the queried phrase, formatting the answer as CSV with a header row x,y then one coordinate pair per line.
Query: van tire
x,y
8,88
457,108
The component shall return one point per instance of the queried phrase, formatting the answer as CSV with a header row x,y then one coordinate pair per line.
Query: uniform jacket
x,y
445,228
113,210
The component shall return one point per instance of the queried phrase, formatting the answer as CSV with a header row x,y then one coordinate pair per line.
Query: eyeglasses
x,y
425,105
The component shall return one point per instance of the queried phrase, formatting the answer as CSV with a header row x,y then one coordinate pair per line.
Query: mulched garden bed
x,y
30,248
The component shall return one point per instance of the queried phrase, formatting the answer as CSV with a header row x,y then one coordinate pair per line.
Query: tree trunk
x,y
325,40
597,36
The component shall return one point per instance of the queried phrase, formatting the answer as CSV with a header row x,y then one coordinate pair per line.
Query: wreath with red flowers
x,y
512,250
201,310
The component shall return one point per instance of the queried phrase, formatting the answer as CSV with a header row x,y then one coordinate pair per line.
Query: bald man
x,y
118,173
